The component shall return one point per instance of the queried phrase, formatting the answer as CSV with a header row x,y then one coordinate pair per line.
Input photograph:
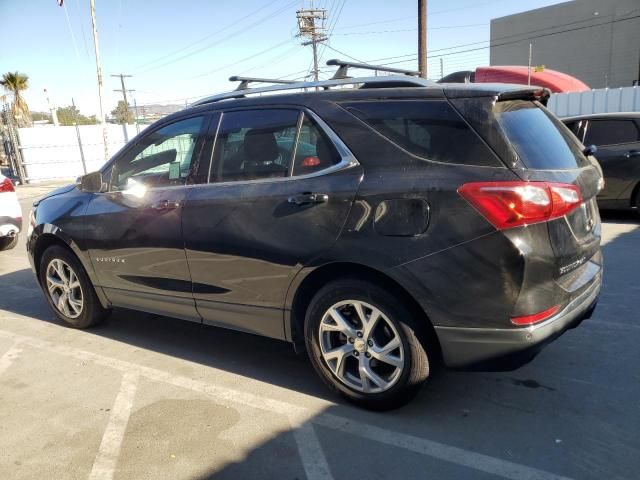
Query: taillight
x,y
512,204
310,162
6,186
536,317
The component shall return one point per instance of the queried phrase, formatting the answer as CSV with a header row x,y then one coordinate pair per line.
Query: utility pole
x,y
529,69
123,90
311,24
96,47
75,122
441,68
422,38
52,111
135,109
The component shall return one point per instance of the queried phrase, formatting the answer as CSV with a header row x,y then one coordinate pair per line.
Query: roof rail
x,y
245,81
343,67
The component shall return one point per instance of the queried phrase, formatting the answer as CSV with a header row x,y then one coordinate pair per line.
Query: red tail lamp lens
x,y
536,317
512,204
6,186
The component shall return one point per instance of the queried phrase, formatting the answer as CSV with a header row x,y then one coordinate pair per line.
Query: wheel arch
x,y
54,236
316,278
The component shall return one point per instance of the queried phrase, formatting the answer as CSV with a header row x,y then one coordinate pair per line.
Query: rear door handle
x,y
308,198
166,205
632,153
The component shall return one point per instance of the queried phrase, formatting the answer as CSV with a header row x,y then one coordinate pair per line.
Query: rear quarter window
x,y
540,140
428,129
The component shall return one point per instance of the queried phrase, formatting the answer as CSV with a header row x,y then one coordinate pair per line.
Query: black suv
x,y
617,138
384,227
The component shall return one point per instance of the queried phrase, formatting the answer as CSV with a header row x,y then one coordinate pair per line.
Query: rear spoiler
x,y
539,94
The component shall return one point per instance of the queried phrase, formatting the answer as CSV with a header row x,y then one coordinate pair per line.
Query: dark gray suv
x,y
384,227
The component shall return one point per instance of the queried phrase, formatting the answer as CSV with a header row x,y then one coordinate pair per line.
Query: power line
x,y
217,42
206,37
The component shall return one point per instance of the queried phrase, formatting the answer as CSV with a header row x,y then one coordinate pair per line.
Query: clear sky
x,y
183,50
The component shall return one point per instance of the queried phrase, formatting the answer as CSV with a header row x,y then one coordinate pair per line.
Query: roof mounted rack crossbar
x,y
343,68
368,82
245,81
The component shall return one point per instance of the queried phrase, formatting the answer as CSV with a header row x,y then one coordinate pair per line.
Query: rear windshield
x,y
539,139
430,129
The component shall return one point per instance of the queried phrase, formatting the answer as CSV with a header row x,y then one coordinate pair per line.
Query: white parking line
x,y
105,462
430,448
299,415
313,459
9,356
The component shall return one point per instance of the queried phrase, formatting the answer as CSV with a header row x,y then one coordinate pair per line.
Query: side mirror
x,y
91,182
590,150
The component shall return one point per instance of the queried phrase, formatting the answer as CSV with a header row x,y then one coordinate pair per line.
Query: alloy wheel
x,y
361,346
64,288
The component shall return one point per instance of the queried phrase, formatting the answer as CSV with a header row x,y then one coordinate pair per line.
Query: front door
x,y
280,191
618,142
134,230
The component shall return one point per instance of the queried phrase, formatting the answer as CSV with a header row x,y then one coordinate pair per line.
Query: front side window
x,y
611,132
426,128
254,144
162,158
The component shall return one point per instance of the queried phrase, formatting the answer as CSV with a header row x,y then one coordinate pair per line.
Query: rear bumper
x,y
507,349
10,226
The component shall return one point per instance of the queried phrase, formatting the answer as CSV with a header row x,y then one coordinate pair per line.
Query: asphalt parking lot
x,y
149,397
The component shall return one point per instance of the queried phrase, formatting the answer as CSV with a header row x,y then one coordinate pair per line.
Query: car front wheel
x,y
363,342
68,289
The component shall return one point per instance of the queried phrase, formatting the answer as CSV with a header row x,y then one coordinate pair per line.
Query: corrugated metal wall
x,y
602,100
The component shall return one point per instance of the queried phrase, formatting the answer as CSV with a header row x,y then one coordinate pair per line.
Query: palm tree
x,y
15,83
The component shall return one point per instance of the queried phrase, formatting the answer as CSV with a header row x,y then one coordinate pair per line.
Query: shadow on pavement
x,y
572,411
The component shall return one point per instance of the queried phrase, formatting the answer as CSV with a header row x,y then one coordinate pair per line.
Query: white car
x,y
10,214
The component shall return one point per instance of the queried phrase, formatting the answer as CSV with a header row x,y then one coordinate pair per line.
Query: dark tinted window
x,y
539,139
253,144
429,129
162,158
315,151
611,132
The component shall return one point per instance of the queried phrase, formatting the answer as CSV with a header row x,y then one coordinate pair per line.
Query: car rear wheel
x,y
364,344
7,243
68,289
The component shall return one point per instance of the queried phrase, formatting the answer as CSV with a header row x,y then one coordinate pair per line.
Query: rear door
x,y
548,151
618,142
280,188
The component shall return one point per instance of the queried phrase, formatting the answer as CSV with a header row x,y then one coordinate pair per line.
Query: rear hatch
x,y
539,148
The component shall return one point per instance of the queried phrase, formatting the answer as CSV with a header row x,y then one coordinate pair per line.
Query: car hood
x,y
57,191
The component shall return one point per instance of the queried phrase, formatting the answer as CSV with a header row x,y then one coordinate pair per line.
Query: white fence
x,y
602,100
53,152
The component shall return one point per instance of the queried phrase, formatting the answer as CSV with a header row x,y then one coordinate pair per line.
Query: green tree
x,y
122,113
68,116
16,83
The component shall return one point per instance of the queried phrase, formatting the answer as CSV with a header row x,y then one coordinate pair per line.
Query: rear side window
x,y
255,144
540,140
611,132
429,129
314,151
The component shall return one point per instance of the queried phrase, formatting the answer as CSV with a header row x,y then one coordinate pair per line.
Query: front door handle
x,y
632,153
166,205
309,198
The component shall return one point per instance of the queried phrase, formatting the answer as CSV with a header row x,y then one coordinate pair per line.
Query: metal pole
x,y
96,46
135,109
529,69
75,122
422,38
52,111
441,68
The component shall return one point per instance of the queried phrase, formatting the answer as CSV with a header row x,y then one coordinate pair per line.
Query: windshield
x,y
539,139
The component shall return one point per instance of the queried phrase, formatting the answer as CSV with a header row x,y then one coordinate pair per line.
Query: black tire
x,y
415,369
92,311
7,243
